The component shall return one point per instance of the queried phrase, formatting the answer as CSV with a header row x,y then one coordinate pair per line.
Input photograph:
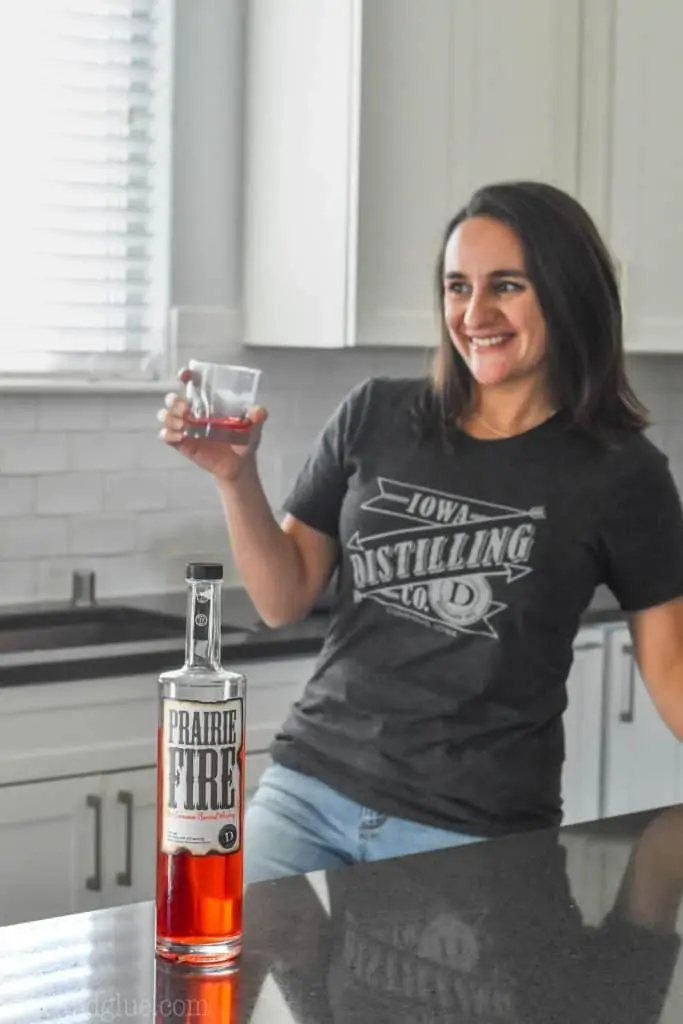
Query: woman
x,y
471,517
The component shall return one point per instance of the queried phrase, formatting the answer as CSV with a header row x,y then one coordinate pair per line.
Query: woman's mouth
x,y
492,341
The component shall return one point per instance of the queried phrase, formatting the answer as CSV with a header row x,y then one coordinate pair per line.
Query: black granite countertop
x,y
580,925
245,638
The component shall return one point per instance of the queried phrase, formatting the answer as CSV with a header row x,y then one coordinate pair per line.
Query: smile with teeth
x,y
490,342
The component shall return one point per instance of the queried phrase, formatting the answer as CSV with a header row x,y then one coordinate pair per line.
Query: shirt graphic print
x,y
447,560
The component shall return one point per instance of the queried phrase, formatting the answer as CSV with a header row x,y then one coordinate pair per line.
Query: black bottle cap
x,y
204,571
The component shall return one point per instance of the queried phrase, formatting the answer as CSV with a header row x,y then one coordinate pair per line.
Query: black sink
x,y
85,627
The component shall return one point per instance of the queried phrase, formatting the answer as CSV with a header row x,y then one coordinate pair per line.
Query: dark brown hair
x,y
575,281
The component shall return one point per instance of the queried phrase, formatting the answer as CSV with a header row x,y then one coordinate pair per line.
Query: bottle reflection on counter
x,y
192,995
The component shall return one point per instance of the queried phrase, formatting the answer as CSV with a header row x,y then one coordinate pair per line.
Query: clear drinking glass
x,y
220,397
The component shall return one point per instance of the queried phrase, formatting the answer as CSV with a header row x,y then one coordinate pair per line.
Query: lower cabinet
x,y
642,756
72,844
583,729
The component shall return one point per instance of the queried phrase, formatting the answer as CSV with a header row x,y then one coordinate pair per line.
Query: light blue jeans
x,y
296,824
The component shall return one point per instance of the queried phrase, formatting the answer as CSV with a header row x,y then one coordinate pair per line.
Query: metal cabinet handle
x,y
125,877
94,883
628,686
589,646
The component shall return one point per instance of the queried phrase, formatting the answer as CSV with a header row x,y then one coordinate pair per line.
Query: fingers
x,y
176,404
172,418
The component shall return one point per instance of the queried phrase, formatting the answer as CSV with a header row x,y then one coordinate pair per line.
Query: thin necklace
x,y
500,433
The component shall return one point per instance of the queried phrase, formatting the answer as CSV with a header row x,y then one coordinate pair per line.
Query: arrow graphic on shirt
x,y
437,508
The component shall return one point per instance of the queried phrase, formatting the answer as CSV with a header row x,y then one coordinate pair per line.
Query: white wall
x,y
84,481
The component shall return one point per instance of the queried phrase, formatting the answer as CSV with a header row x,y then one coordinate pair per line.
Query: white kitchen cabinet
x,y
583,729
368,123
632,158
129,851
48,862
641,754
75,844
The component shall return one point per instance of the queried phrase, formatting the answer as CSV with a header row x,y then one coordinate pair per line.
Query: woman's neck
x,y
504,412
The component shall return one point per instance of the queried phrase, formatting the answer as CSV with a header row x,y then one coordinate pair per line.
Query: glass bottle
x,y
200,789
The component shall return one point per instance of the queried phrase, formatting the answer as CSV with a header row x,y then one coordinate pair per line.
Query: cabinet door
x,y
130,849
51,844
436,123
645,166
583,729
523,120
641,752
300,142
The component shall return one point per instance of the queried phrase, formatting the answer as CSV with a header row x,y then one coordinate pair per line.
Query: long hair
x,y
574,278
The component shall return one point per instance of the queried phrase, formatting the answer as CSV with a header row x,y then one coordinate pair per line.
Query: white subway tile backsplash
x,y
136,491
18,582
36,537
191,488
17,414
86,482
102,535
101,452
62,412
69,493
17,495
133,413
194,532
30,453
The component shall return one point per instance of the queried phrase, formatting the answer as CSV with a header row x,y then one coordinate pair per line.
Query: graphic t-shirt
x,y
464,571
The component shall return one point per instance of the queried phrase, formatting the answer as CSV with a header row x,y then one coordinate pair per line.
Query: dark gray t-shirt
x,y
464,571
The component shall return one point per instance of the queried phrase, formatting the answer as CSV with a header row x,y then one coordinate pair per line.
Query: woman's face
x,y
490,306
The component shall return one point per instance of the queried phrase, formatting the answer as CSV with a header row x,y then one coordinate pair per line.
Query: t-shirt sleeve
x,y
318,491
641,534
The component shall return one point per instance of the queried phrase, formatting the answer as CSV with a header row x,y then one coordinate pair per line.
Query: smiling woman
x,y
471,516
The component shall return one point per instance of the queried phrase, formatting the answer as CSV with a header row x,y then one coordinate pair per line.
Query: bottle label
x,y
201,768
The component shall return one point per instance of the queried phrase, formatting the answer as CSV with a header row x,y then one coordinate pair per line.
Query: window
x,y
85,102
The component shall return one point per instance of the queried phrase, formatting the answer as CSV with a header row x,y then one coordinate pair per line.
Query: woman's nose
x,y
478,309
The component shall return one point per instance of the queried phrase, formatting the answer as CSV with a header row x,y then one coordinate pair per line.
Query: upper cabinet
x,y
632,158
368,124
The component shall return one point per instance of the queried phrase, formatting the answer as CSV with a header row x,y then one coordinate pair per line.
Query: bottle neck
x,y
203,632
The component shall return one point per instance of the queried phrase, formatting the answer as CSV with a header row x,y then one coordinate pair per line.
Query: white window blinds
x,y
84,195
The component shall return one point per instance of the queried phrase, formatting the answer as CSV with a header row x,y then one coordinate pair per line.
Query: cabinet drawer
x,y
110,724
91,725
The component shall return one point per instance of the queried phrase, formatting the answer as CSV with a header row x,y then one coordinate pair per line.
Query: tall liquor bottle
x,y
200,789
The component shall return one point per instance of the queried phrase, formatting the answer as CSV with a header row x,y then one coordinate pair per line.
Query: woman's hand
x,y
222,459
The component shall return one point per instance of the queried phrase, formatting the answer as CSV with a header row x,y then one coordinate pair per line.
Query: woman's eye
x,y
457,288
508,286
